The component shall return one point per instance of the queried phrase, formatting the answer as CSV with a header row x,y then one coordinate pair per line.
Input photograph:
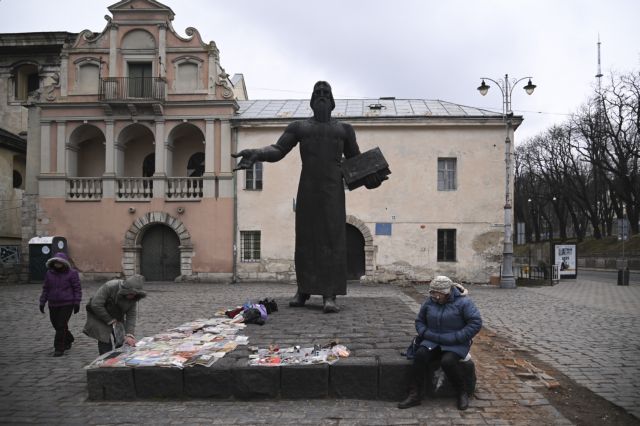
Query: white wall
x,y
409,199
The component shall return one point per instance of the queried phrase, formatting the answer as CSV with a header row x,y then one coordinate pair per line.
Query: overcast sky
x,y
404,48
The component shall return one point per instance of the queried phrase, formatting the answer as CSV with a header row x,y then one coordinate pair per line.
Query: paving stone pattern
x,y
36,388
588,330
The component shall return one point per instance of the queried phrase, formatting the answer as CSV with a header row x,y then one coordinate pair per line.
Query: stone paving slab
x,y
36,388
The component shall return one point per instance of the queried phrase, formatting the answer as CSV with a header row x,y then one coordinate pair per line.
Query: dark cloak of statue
x,y
320,254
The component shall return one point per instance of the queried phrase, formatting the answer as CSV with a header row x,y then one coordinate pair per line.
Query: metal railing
x,y
84,189
184,188
132,88
134,188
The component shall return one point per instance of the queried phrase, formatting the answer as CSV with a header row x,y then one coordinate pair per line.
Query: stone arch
x,y
184,140
370,250
86,151
133,237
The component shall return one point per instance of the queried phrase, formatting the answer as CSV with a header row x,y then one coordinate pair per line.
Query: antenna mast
x,y
599,75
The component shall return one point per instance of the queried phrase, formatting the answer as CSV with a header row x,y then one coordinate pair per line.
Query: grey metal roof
x,y
359,108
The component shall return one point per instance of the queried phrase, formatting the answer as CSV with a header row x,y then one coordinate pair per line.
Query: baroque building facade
x,y
129,139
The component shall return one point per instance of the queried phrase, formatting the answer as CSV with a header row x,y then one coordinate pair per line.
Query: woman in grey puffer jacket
x,y
114,307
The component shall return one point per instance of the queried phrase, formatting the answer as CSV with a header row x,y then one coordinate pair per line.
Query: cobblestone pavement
x,y
36,388
588,330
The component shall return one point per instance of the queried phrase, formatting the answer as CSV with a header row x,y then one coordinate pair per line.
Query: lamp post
x,y
506,86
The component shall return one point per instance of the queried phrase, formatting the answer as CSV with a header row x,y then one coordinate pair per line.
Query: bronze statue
x,y
320,255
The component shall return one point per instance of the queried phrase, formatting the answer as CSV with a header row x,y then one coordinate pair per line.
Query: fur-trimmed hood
x,y
60,258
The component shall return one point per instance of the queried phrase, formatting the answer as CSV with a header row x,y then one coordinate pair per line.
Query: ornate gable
x,y
130,6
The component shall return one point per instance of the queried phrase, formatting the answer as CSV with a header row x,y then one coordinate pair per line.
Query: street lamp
x,y
506,86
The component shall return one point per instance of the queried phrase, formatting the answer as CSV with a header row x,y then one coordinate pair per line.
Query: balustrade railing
x,y
132,88
84,188
134,188
184,188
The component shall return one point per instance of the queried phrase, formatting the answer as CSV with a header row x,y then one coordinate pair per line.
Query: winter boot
x,y
298,300
412,400
329,305
463,400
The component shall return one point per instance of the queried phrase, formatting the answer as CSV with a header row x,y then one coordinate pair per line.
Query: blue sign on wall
x,y
383,229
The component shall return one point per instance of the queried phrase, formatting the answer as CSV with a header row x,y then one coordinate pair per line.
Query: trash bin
x,y
42,249
623,272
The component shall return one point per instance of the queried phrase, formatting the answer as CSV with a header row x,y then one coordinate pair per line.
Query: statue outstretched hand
x,y
249,156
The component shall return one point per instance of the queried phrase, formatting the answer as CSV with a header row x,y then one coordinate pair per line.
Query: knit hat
x,y
441,284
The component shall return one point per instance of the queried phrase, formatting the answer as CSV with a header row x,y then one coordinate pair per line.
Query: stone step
x,y
375,329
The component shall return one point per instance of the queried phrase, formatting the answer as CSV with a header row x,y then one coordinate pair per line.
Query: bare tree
x,y
609,140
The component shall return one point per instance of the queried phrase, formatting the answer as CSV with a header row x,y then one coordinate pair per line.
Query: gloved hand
x,y
76,309
42,308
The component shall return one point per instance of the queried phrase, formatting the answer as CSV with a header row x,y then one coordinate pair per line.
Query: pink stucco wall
x,y
95,230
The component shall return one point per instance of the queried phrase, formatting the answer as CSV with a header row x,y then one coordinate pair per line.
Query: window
x,y
88,78
447,174
187,79
195,166
249,246
26,81
149,165
253,177
17,180
446,245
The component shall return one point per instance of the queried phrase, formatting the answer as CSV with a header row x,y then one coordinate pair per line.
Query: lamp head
x,y
484,88
530,87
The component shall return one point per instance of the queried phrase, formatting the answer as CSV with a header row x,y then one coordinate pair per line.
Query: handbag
x,y
410,353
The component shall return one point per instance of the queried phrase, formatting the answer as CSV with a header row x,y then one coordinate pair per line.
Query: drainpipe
x,y
234,148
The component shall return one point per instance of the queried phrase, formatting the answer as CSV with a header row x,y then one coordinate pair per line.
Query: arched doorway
x,y
355,253
160,256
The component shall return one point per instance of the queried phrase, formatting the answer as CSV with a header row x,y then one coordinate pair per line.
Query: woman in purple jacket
x,y
62,290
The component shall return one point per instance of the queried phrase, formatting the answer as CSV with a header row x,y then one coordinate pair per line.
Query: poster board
x,y
566,256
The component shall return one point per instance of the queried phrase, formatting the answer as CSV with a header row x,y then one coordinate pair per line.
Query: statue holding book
x,y
320,254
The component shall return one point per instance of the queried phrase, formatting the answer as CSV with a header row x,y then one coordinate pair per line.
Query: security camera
x,y
132,209
180,210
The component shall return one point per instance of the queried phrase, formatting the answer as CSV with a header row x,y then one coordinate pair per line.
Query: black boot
x,y
469,377
298,300
329,305
412,400
463,400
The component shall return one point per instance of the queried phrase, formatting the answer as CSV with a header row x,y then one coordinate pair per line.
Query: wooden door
x,y
160,258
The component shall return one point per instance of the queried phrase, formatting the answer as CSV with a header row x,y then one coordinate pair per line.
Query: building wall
x,y
96,231
409,200
10,198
